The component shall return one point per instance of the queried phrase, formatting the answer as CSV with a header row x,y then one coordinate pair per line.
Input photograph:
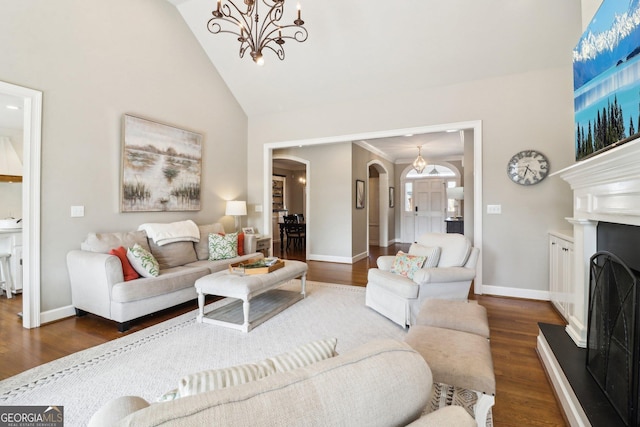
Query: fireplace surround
x,y
606,189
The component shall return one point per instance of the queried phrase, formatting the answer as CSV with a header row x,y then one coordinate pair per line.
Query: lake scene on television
x,y
606,79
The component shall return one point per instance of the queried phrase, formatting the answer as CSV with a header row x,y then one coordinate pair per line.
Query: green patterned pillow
x,y
223,246
142,261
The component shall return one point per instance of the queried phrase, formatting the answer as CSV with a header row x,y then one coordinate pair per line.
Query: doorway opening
x,y
292,173
31,169
473,135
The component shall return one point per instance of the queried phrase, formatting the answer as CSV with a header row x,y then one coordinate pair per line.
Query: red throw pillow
x,y
240,244
127,269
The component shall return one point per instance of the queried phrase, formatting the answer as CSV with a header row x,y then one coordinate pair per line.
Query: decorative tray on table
x,y
256,266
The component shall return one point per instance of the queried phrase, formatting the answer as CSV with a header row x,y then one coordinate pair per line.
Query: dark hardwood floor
x,y
523,398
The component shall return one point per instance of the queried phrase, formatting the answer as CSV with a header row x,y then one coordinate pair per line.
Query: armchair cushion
x,y
431,252
406,265
455,248
393,283
443,275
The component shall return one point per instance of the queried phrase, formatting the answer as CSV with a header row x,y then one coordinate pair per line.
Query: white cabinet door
x,y
561,274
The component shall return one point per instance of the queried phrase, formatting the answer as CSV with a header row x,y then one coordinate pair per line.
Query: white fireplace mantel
x,y
606,188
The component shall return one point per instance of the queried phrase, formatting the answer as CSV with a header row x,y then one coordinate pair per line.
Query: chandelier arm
x,y
279,51
273,15
253,33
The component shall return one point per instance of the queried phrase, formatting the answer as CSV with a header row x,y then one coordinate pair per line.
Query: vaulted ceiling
x,y
356,48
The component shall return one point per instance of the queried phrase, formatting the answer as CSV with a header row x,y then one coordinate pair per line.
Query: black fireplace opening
x,y
613,329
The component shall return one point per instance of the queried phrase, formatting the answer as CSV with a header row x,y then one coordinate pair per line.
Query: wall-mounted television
x,y
606,79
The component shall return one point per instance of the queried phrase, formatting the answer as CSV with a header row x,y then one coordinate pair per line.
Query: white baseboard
x,y
515,292
340,260
57,314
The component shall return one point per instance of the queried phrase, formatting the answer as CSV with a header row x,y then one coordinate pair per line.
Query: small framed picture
x,y
359,194
248,230
392,197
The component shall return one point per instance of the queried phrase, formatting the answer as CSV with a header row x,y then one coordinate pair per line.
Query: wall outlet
x,y
494,209
77,211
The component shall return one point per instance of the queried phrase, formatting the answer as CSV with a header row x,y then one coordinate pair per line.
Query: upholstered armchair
x,y
397,292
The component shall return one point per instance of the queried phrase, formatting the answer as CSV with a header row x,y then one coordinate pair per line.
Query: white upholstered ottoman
x,y
258,289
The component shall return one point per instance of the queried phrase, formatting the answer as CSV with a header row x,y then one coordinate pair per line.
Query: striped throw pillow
x,y
431,252
216,379
220,378
304,355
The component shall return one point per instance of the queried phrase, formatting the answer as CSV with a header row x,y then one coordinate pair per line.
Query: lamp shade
x,y
456,193
236,208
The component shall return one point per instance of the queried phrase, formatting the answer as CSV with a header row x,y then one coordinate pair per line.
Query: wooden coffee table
x,y
257,296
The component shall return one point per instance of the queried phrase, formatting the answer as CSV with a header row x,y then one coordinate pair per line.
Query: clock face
x,y
528,167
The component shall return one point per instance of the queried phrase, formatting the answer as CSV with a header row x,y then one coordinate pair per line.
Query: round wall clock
x,y
528,167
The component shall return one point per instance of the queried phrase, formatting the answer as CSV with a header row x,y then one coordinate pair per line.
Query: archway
x,y
378,204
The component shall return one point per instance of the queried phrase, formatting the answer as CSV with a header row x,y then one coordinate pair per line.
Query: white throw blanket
x,y
180,231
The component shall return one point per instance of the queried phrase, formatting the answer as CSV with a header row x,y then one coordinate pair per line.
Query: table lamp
x,y
237,208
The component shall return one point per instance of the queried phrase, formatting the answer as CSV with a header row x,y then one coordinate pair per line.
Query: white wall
x,y
94,61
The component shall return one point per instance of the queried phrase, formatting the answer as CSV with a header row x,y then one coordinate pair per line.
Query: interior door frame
x,y
474,125
31,173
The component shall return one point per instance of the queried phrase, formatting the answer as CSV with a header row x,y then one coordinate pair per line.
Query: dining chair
x,y
295,235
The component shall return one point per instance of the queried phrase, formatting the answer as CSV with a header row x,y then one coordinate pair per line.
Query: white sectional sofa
x,y
97,279
381,383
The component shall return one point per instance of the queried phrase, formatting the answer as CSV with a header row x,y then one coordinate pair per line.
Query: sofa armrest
x,y
385,262
117,409
250,243
92,276
443,275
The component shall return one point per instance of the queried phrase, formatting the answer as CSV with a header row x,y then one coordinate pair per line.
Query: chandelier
x,y
419,163
254,35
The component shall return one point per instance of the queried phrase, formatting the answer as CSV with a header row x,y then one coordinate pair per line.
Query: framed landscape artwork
x,y
161,167
606,63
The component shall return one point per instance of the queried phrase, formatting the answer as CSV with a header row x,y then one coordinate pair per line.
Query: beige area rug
x,y
151,362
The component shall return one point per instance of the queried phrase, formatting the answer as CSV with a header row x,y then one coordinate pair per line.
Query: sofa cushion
x,y
382,383
170,280
202,247
406,265
173,254
104,242
128,271
222,264
142,261
223,246
431,252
